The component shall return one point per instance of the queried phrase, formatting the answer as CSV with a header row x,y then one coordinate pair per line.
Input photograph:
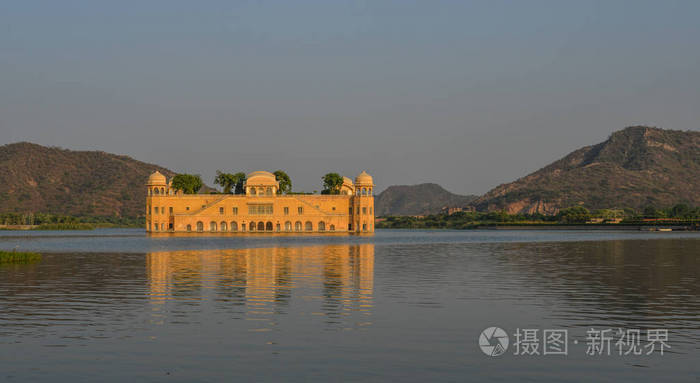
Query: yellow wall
x,y
175,211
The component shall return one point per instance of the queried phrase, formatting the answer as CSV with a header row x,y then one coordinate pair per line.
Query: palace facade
x,y
260,209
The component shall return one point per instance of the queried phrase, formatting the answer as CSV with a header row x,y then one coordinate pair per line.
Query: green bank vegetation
x,y
680,214
18,257
66,226
45,221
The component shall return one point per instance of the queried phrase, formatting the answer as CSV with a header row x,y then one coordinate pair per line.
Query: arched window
x,y
332,227
155,191
287,226
251,227
200,226
268,226
261,226
252,191
223,226
321,226
308,226
212,226
234,226
364,191
189,227
162,191
297,226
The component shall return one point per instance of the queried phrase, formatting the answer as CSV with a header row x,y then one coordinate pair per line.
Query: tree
x,y
575,214
188,183
332,183
651,212
285,182
226,180
681,210
239,181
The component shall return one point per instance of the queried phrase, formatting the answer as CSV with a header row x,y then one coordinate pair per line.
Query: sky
x,y
466,94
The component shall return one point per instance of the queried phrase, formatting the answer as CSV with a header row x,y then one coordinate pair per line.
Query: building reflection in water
x,y
260,284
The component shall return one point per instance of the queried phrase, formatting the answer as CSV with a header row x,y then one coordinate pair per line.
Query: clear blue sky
x,y
465,94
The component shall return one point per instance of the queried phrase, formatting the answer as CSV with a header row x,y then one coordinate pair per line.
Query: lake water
x,y
401,305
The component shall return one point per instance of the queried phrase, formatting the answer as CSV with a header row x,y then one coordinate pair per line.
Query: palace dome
x,y
156,179
261,177
364,178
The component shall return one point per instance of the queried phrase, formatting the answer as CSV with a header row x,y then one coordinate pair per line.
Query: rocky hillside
x,y
35,178
417,200
636,167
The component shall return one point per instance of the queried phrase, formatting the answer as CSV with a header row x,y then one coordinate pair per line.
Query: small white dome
x,y
364,178
156,179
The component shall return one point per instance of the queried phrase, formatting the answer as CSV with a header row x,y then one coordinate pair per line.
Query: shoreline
x,y
649,228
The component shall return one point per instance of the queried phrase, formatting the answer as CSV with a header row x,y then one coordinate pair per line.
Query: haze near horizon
x,y
468,96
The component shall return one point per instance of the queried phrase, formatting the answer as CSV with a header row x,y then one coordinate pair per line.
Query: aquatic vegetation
x,y
19,257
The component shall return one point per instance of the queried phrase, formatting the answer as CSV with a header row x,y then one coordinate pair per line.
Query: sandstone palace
x,y
261,209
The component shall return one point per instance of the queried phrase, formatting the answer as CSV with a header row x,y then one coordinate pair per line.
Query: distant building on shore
x,y
260,209
451,210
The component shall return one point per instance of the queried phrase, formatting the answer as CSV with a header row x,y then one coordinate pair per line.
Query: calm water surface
x,y
112,305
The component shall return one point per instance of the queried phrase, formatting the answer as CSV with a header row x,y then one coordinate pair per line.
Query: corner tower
x,y
157,188
363,204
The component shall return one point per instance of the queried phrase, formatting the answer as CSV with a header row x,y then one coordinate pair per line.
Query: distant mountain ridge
x,y
635,167
427,198
35,178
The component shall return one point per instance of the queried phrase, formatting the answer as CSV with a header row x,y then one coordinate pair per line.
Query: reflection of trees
x,y
625,280
265,280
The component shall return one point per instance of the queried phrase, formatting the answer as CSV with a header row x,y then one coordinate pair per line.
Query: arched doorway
x,y
308,226
223,226
287,226
261,226
251,227
321,226
200,226
268,226
234,226
297,226
212,226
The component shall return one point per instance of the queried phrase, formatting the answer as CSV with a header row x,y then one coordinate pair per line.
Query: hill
x,y
419,199
635,167
35,178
